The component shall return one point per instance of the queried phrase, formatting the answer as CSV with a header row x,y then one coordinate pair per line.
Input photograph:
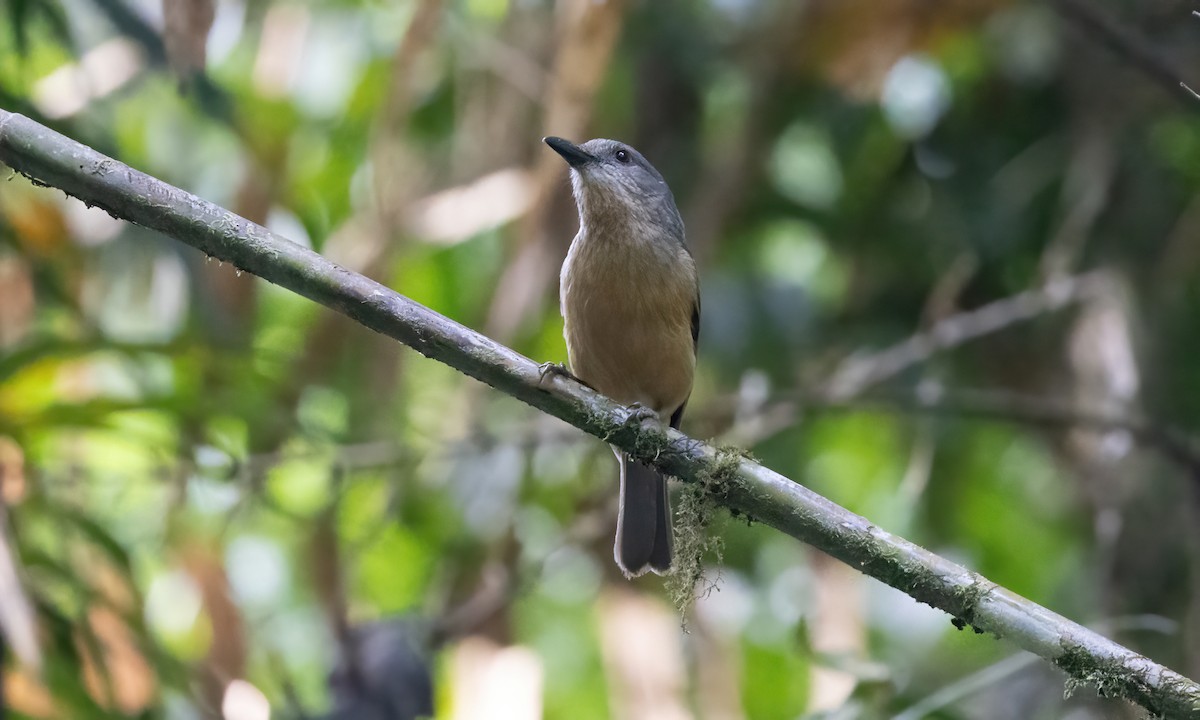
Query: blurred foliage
x,y
209,479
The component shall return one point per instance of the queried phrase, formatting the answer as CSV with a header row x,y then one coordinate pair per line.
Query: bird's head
x,y
611,180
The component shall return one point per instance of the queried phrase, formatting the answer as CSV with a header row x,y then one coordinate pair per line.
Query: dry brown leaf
x,y
37,220
16,300
104,579
132,679
121,663
12,472
26,695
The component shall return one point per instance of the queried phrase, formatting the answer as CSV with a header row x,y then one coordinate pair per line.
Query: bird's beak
x,y
572,153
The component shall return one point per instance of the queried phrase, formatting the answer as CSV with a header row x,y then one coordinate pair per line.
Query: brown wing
x,y
677,416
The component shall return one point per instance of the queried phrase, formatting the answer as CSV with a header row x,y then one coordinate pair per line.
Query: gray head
x,y
614,183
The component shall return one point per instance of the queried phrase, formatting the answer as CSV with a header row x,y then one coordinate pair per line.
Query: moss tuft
x,y
697,508
1112,678
967,598
692,544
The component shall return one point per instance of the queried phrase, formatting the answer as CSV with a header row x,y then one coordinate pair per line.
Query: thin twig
x,y
1126,43
755,424
1023,409
997,672
735,481
1183,84
861,371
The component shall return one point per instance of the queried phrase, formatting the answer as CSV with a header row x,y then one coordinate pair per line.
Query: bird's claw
x,y
548,369
639,413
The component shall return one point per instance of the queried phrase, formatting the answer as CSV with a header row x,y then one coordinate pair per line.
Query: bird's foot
x,y
639,413
551,369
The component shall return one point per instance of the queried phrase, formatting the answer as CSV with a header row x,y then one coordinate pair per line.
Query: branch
x,y
734,481
1174,443
861,371
1126,43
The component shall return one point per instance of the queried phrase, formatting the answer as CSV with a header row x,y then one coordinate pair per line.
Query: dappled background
x,y
951,280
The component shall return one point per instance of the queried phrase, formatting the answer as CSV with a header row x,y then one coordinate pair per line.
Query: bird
x,y
629,294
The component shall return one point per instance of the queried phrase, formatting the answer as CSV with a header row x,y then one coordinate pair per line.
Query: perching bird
x,y
630,299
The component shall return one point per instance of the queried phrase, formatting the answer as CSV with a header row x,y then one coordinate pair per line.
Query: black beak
x,y
572,153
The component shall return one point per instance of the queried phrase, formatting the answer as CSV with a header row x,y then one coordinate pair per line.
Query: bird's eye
x,y
622,156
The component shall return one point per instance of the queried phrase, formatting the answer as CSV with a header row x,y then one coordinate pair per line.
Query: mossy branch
x,y
732,479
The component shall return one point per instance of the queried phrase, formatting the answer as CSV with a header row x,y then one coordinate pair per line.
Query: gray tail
x,y
643,521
